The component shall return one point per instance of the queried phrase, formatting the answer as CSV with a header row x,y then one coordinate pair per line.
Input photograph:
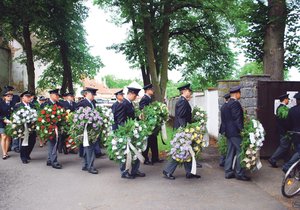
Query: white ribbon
x,y
26,136
258,162
85,137
194,164
129,157
164,132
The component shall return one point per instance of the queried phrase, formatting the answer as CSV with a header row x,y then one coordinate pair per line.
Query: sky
x,y
101,33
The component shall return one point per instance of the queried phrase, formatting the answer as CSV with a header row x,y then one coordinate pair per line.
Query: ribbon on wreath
x,y
258,162
85,137
56,141
130,147
26,135
194,164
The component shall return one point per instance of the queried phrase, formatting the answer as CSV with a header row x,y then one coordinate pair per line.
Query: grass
x,y
163,148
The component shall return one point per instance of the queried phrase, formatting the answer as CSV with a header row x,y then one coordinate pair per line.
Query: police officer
x,y
5,112
285,143
122,114
89,151
183,116
222,126
152,139
52,144
234,124
117,109
25,150
293,125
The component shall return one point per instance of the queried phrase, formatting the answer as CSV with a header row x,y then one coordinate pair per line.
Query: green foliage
x,y
222,145
282,112
252,68
113,82
253,31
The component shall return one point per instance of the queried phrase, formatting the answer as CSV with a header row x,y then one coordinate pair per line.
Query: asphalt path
x,y
35,186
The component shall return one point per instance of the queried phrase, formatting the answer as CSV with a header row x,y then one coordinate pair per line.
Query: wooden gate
x,y
267,93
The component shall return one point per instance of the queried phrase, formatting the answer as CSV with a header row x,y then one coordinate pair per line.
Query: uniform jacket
x,y
233,118
85,103
67,105
5,112
118,112
293,122
222,126
145,101
183,113
48,102
281,123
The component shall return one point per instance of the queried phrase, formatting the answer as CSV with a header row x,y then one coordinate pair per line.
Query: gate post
x,y
249,92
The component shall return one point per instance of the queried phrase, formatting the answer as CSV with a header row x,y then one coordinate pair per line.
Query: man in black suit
x,y
89,150
117,109
183,116
152,139
124,113
222,126
285,143
293,125
234,124
26,147
52,143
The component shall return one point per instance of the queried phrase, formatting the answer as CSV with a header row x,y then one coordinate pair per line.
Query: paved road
x,y
37,187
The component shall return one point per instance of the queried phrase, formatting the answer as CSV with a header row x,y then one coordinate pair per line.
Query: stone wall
x,y
249,92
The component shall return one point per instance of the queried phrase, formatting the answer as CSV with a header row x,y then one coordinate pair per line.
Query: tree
x,y
62,46
272,36
112,82
179,23
18,21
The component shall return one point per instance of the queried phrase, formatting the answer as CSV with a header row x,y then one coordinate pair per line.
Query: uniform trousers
x,y
234,149
25,151
172,165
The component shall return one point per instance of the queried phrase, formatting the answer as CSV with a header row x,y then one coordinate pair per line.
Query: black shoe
x,y
190,176
28,158
48,163
272,163
25,161
168,176
221,164
84,169
147,162
243,178
229,176
17,150
93,171
139,174
56,166
126,175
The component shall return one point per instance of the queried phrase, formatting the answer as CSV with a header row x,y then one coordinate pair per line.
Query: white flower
x,y
254,123
119,157
248,165
120,140
52,116
15,132
252,138
114,147
248,152
197,113
138,143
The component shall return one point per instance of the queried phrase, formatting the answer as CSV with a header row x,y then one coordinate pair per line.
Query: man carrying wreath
x,y
183,116
89,151
52,144
126,111
152,139
25,150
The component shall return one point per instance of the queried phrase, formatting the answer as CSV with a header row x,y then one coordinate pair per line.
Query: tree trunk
x,y
67,74
150,52
273,58
145,74
29,58
165,48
